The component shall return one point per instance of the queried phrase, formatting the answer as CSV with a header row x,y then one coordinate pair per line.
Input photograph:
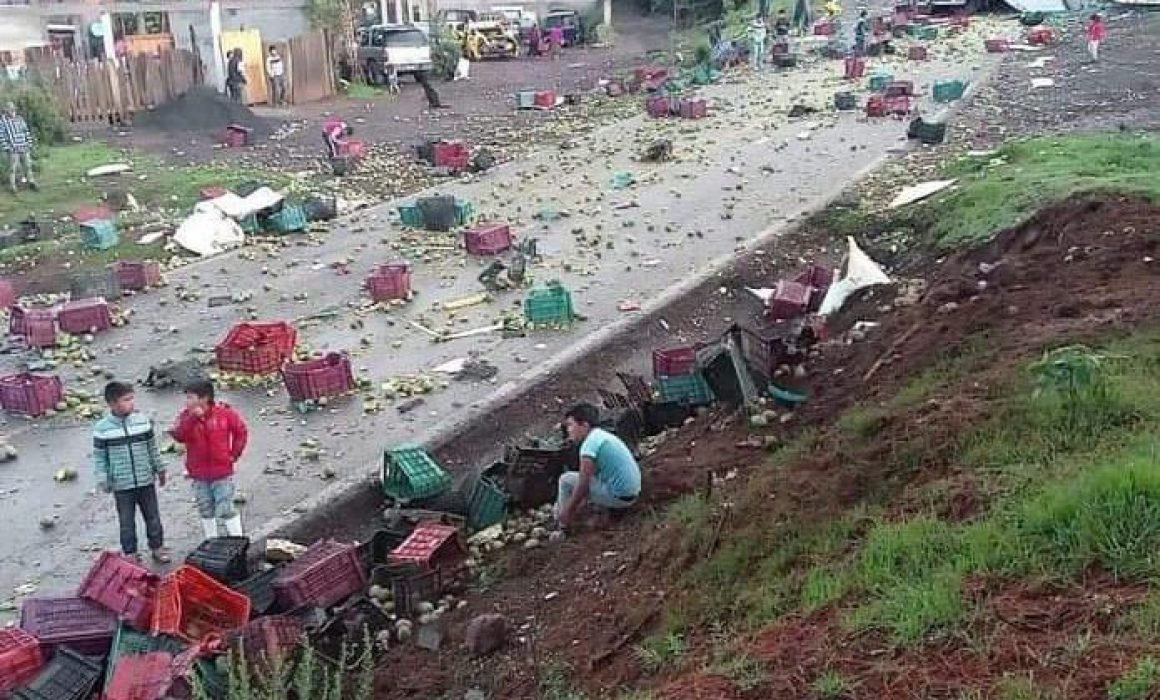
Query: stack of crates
x,y
549,306
410,474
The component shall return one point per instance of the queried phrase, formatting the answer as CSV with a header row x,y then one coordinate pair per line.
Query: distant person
x,y
334,134
535,41
555,41
214,436
127,463
757,34
1095,35
428,91
609,476
276,72
803,16
781,25
16,140
861,30
236,77
392,79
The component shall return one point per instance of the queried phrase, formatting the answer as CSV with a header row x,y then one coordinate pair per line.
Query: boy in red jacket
x,y
214,436
1095,35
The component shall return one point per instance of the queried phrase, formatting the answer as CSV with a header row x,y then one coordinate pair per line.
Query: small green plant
x,y
1144,618
1139,683
555,683
831,684
311,677
744,671
1022,688
661,651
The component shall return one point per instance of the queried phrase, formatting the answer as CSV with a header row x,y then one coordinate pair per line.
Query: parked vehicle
x,y
489,39
457,20
569,20
403,46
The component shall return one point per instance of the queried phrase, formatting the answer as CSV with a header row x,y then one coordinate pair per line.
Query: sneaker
x,y
161,555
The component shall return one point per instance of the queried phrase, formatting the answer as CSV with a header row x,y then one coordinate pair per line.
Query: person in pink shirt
x,y
1095,35
555,41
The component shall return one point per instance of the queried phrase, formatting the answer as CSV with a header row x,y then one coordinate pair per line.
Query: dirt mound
x,y
202,110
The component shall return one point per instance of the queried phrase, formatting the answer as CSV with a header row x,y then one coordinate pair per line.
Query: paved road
x,y
740,172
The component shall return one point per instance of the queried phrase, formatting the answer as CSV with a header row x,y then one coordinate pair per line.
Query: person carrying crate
x,y
335,133
609,476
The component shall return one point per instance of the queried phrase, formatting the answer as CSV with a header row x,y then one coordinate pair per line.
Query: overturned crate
x,y
409,474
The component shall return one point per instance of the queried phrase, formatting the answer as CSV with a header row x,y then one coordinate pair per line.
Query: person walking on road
x,y
236,77
609,476
861,30
756,43
127,464
555,41
276,72
215,437
16,140
1095,35
433,101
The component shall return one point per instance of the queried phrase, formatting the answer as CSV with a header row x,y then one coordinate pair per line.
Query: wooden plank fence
x,y
113,92
309,67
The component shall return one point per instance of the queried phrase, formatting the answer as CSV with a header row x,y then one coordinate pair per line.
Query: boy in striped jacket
x,y
127,463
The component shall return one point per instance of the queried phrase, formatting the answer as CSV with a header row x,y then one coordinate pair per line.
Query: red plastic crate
x,y
256,348
431,545
352,148
329,375
658,106
545,99
674,362
124,587
236,136
326,574
854,68
36,326
28,394
269,640
1040,36
899,105
192,606
141,677
650,73
693,109
7,294
996,45
389,282
898,88
816,276
961,21
450,154
790,300
84,316
78,623
881,106
824,28
20,658
98,212
136,276
916,53
488,238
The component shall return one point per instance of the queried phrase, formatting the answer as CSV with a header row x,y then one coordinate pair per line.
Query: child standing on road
x,y
1095,35
214,436
126,462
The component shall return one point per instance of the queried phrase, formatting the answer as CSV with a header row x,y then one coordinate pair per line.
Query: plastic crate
x,y
136,276
929,133
464,213
20,658
123,586
693,109
996,45
223,558
845,101
927,33
438,212
549,306
259,588
690,389
488,238
658,106
128,642
823,28
674,362
790,299
99,234
374,551
36,326
352,148
326,574
7,294
28,394
256,348
544,99
291,218
329,375
268,641
409,473
409,215
450,154
486,505
81,624
879,81
250,224
898,88
69,676
140,677
854,68
763,350
389,282
916,53
193,606
84,316
431,545
948,90
525,99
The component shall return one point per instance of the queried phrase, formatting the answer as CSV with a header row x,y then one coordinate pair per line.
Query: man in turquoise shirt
x,y
609,476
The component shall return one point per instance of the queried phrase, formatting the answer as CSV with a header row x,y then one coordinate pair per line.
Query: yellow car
x,y
489,40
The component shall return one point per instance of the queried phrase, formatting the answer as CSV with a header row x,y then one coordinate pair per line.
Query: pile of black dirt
x,y
202,110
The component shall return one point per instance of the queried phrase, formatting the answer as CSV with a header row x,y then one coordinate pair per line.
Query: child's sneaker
x,y
161,555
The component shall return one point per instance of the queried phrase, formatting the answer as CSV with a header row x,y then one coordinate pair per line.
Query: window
x,y
156,22
409,38
378,38
125,24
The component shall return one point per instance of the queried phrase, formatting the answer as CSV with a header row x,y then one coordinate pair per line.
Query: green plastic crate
x,y
879,81
949,90
691,389
927,33
250,224
291,218
409,215
410,473
464,213
549,306
487,504
128,641
100,234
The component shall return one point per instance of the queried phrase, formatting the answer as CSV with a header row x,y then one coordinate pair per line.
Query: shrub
x,y
39,109
445,54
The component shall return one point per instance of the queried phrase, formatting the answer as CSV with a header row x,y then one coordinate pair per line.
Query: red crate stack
x,y
256,348
818,279
123,586
141,677
995,45
389,282
192,605
431,545
789,300
489,238
693,109
545,99
854,68
658,106
450,154
674,362
326,574
267,641
329,375
84,316
916,53
29,394
137,275
78,623
36,326
20,658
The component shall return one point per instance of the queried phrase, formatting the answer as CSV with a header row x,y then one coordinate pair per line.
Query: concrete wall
x,y
20,27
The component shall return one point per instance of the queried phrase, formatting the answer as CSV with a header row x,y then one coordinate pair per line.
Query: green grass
x,y
1144,618
831,684
742,670
1139,683
660,652
1023,688
362,91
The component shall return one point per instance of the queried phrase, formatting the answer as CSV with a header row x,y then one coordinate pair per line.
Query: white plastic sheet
x,y
208,232
237,207
861,272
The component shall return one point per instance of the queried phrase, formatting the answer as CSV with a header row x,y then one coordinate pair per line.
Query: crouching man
x,y
609,476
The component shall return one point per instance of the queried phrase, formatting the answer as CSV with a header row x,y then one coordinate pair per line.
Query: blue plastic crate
x,y
948,90
99,234
549,306
691,389
289,219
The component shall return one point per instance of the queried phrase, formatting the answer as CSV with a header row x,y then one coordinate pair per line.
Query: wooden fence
x,y
309,67
107,91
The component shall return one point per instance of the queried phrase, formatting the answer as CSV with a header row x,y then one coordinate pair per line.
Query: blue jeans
x,y
215,499
598,493
129,501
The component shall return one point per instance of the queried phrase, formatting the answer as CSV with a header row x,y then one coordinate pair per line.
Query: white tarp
x,y
237,207
1038,5
861,272
922,190
208,232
